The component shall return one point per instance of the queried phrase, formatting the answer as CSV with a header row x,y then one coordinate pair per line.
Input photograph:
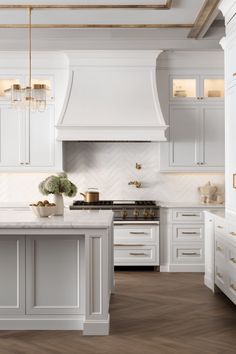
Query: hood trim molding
x,y
131,113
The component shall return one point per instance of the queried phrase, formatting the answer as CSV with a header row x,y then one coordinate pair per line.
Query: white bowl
x,y
43,211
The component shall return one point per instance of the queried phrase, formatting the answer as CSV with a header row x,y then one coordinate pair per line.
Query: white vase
x,y
58,200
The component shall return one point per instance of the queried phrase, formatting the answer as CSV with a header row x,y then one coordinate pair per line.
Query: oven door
x,y
136,243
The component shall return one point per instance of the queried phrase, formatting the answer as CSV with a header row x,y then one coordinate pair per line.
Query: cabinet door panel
x,y
53,272
230,149
41,138
184,133
213,136
11,124
12,275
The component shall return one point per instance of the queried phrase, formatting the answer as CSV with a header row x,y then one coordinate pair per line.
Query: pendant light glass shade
x,y
34,97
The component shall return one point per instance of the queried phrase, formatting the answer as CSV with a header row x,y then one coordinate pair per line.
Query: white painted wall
x,y
109,167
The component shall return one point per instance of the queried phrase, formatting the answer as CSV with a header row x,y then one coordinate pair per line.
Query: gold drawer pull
x,y
137,254
128,244
190,233
233,287
137,233
233,260
220,275
232,233
190,215
220,227
218,248
190,253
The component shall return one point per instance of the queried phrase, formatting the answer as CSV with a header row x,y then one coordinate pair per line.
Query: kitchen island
x,y
56,273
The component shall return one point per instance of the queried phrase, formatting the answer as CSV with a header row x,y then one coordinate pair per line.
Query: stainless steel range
x,y
138,210
136,230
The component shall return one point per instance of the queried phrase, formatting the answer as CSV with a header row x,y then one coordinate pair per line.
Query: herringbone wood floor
x,y
151,313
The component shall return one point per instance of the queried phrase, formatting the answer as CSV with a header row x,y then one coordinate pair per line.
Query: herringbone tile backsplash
x,y
109,167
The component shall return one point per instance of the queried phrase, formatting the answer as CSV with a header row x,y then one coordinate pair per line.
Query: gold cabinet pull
x,y
190,233
233,286
233,260
220,227
137,254
190,253
219,275
128,244
233,233
190,215
137,233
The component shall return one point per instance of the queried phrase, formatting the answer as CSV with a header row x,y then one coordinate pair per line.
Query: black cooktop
x,y
116,203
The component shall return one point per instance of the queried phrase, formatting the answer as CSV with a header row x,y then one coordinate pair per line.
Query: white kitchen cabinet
x,y
201,88
196,139
184,136
53,272
225,268
228,8
11,122
12,275
209,244
182,239
136,244
221,254
28,140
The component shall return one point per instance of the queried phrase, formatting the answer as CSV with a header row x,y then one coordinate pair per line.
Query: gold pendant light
x,y
34,97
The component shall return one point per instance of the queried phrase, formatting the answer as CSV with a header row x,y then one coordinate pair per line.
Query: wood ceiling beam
x,y
204,15
155,25
165,6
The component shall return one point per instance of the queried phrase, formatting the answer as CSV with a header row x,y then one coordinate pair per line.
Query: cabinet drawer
x,y
187,215
220,226
232,288
231,257
220,276
188,254
183,232
232,231
136,234
220,250
127,255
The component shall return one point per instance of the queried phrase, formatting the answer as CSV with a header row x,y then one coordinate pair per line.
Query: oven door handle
x,y
125,223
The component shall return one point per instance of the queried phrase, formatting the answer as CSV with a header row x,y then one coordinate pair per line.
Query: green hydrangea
x,y
58,185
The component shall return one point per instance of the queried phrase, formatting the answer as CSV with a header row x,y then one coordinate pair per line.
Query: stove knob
x,y
152,213
136,213
124,213
146,213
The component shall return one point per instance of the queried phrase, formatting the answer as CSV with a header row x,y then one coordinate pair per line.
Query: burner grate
x,y
100,202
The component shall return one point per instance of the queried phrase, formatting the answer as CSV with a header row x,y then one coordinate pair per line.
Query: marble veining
x,y
25,219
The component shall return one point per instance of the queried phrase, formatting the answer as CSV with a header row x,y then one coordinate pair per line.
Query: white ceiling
x,y
182,12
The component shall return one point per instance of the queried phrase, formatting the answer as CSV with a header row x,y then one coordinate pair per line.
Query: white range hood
x,y
112,96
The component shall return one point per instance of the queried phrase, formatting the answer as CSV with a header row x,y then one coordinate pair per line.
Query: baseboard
x,y
165,268
209,283
189,268
18,324
97,328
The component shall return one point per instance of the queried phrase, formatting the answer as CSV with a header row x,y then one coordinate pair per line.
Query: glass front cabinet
x,y
205,88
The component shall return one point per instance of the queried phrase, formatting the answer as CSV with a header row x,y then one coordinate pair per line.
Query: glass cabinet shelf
x,y
184,88
214,88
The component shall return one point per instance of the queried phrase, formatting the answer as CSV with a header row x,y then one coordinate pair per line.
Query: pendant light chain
x,y
30,47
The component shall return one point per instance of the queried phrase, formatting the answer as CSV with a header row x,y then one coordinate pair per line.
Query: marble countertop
x,y
189,205
25,219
